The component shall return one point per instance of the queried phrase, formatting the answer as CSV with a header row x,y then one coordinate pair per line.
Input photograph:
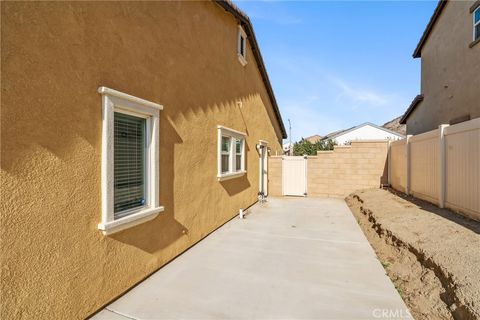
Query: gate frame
x,y
305,193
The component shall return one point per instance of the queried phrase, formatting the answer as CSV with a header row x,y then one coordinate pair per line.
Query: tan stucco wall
x,y
55,263
450,71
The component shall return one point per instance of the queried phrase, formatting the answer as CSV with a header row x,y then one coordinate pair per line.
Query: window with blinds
x,y
129,163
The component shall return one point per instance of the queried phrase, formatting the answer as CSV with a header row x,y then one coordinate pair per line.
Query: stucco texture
x,y
450,71
55,262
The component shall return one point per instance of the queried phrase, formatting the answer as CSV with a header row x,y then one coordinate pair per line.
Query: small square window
x,y
231,153
130,160
242,46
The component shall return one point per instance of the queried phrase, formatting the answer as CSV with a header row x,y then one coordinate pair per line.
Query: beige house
x,y
450,81
130,131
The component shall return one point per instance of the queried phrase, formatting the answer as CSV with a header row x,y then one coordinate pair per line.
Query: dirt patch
x,y
432,255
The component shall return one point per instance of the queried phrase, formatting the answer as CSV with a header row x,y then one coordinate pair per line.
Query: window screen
x,y
129,163
225,154
238,155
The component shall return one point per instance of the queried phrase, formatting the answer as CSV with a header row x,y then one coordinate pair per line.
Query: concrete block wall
x,y
275,175
337,173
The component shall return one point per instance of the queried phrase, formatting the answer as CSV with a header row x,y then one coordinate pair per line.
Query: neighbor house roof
x,y
335,134
247,26
411,108
313,138
438,10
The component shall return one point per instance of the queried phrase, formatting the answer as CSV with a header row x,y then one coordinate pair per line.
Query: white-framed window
x,y
231,153
476,24
130,160
242,46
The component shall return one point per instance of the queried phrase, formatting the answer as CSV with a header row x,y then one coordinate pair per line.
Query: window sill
x,y
474,43
129,221
228,176
242,60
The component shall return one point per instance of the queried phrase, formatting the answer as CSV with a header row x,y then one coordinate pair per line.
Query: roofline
x,y
438,10
362,125
248,27
415,102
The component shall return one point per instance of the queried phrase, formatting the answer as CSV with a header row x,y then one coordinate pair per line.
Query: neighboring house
x,y
314,138
395,125
130,131
450,79
365,131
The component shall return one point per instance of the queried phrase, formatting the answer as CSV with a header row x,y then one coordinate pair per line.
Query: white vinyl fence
x,y
441,166
294,175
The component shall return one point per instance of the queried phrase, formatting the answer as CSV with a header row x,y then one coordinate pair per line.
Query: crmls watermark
x,y
391,314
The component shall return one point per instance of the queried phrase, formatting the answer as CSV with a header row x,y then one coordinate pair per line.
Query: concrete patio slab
x,y
296,258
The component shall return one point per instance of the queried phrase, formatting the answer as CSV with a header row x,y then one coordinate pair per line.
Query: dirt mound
x,y
432,255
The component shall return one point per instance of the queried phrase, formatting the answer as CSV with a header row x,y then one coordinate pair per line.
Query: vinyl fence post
x,y
441,167
389,164
408,156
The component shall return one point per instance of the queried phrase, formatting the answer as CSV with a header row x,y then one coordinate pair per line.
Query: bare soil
x,y
432,255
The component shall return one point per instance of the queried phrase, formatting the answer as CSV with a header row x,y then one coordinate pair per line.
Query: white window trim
x,y
115,101
242,58
475,23
234,135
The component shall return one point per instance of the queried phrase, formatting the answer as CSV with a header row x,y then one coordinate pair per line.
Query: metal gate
x,y
294,176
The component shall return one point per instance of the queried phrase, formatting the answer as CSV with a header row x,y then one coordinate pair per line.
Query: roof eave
x,y
415,102
418,50
245,21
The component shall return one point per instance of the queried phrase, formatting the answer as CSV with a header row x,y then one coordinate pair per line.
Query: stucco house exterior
x,y
130,131
364,131
450,56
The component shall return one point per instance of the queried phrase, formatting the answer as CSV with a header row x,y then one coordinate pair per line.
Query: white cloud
x,y
361,95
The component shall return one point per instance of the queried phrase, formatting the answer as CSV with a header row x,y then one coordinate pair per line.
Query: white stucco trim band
x,y
129,221
228,176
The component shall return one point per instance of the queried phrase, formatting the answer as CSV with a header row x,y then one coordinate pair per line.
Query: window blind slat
x,y
129,163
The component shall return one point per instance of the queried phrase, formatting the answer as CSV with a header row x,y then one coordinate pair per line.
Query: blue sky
x,y
334,65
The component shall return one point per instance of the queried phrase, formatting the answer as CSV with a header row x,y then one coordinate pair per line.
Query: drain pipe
x,y
261,194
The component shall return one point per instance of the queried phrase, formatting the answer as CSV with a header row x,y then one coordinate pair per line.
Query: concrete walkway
x,y
295,258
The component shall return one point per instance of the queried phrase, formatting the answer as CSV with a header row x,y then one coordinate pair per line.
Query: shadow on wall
x,y
444,213
163,230
235,186
384,177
